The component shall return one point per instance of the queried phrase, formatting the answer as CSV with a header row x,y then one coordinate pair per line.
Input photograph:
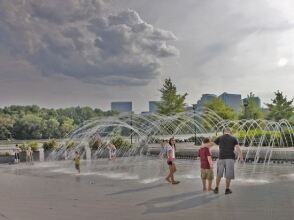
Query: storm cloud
x,y
81,39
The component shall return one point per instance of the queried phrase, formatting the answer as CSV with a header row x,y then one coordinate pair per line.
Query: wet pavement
x,y
133,188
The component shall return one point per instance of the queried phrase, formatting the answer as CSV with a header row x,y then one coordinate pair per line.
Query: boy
x,y
77,161
206,164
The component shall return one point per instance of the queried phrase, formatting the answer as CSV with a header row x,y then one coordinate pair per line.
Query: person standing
x,y
206,164
17,154
171,148
226,161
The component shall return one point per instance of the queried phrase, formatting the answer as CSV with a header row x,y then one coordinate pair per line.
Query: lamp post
x,y
195,128
132,127
245,104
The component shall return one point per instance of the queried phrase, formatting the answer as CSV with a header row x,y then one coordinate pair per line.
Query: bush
x,y
5,154
33,145
23,147
70,145
121,143
50,145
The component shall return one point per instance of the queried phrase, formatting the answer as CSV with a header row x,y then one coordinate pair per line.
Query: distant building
x,y
232,100
256,100
204,99
122,106
188,108
153,106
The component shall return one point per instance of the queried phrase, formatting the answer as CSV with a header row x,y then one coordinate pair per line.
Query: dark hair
x,y
16,145
170,143
206,140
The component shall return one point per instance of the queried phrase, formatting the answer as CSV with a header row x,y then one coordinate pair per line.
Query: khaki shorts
x,y
207,174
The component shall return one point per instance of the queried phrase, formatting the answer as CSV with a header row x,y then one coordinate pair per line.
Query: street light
x,y
132,127
195,128
245,104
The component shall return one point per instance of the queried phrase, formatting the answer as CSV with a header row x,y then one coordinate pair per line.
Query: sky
x,y
91,52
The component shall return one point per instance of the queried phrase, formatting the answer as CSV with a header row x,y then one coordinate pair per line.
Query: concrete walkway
x,y
29,193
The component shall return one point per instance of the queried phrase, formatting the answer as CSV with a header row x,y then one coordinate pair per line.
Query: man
x,y
226,161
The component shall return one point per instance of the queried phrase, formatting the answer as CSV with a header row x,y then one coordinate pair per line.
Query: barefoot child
x,y
206,164
77,161
171,148
162,153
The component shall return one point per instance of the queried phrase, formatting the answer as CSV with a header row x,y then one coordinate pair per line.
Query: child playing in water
x,y
77,161
112,151
163,144
206,164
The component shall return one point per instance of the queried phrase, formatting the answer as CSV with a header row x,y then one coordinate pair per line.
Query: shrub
x,y
23,147
50,145
5,154
70,145
33,145
121,143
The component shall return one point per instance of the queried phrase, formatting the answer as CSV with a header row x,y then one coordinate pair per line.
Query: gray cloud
x,y
80,40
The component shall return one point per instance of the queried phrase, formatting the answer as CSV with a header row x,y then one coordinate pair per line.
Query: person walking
x,y
226,161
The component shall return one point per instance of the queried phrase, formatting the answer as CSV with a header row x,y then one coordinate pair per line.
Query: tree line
x,y
280,107
34,122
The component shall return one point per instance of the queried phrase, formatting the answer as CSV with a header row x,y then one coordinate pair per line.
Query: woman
x,y
171,149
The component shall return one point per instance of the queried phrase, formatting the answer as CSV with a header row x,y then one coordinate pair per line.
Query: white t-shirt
x,y
172,149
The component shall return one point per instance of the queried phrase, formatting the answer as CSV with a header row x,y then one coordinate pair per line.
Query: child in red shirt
x,y
206,164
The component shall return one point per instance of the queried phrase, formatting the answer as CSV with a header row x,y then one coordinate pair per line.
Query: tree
x,y
280,108
221,109
171,102
251,110
28,127
51,129
6,125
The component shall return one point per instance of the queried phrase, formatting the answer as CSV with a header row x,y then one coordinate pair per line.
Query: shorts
x,y
226,168
207,174
77,166
170,162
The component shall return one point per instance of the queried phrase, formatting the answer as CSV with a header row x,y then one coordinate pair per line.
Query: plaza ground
x,y
133,190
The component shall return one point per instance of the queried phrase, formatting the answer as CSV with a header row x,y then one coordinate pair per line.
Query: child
x,y
171,148
206,164
112,151
77,161
163,144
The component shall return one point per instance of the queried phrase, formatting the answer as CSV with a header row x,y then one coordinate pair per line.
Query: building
x,y
256,100
204,99
122,106
234,101
153,106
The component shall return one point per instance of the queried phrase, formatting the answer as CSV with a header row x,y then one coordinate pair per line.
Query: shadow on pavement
x,y
137,190
177,202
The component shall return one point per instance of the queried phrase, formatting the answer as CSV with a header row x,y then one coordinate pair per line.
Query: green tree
x,y
51,129
280,108
221,109
250,109
171,102
66,126
28,127
6,125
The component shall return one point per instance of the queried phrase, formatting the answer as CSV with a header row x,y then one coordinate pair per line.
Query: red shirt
x,y
203,153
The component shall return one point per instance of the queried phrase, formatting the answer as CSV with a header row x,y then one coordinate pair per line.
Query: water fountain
x,y
137,140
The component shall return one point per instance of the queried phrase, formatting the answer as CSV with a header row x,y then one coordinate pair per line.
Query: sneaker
x,y
228,191
215,190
